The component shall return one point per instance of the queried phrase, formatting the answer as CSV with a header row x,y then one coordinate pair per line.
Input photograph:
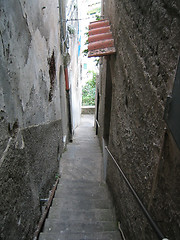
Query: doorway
x,y
107,114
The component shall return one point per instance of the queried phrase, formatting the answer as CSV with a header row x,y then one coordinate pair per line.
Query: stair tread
x,y
82,190
79,226
81,187
86,215
75,204
111,235
82,195
83,182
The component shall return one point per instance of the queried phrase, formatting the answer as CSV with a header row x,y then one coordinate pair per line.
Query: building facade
x,y
72,26
132,94
34,109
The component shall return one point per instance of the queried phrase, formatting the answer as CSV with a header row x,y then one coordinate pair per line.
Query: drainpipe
x,y
66,79
68,102
61,26
65,68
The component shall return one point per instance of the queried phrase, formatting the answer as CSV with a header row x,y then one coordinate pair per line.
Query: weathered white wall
x,y
29,36
75,84
33,113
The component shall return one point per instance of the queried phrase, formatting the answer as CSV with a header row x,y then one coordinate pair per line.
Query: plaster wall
x,y
30,43
73,67
33,114
146,37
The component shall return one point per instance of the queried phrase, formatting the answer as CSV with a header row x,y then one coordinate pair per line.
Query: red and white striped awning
x,y
101,42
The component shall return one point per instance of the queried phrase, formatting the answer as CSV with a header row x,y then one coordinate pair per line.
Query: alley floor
x,y
82,208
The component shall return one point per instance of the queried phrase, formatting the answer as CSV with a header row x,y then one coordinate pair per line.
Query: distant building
x,y
87,13
72,26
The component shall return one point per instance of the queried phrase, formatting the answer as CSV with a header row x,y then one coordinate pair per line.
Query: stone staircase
x,y
82,208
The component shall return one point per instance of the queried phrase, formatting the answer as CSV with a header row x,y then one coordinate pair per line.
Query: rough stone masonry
x,y
133,88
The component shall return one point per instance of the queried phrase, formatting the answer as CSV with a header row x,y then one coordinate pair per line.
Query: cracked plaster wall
x,y
33,115
29,36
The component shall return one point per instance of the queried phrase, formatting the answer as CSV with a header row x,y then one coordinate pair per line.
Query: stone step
x,y
58,226
84,146
74,154
78,188
82,208
113,235
84,203
82,193
82,215
81,183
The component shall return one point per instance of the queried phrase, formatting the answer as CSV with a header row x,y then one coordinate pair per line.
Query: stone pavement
x,y
82,208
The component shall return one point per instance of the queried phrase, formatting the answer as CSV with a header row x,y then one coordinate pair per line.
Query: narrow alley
x,y
61,60
82,207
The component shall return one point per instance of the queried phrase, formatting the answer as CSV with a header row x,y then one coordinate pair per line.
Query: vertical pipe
x,y
66,79
97,112
69,103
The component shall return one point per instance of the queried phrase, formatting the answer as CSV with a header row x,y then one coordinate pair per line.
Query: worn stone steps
x,y
82,208
84,192
82,215
86,203
80,185
113,235
58,226
86,189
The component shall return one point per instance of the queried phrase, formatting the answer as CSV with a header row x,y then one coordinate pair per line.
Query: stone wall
x,y
33,113
88,110
142,73
27,173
